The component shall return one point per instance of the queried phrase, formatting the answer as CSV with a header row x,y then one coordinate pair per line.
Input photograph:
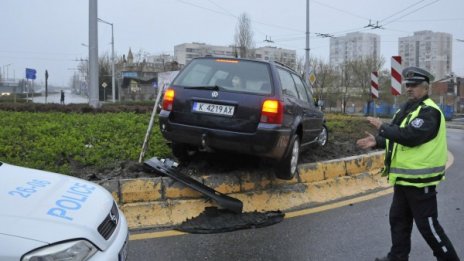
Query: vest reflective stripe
x,y
418,171
422,165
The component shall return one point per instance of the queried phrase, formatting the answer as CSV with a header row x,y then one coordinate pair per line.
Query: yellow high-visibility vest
x,y
422,165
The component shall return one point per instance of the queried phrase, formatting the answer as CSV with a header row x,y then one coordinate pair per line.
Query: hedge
x,y
54,141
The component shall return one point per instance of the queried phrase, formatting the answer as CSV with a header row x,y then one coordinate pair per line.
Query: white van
x,y
49,216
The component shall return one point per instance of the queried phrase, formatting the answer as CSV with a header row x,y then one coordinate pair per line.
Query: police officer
x,y
415,158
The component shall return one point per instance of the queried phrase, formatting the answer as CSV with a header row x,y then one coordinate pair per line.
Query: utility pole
x,y
93,54
306,69
113,82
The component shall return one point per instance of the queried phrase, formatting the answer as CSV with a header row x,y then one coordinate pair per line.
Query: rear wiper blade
x,y
211,87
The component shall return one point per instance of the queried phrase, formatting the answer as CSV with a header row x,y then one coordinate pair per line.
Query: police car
x,y
49,216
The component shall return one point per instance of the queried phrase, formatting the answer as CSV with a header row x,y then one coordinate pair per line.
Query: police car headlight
x,y
79,250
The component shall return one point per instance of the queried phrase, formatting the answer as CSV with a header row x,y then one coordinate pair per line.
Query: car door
x,y
312,117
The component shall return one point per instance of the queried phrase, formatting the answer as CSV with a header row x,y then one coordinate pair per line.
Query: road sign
x,y
312,78
31,74
104,84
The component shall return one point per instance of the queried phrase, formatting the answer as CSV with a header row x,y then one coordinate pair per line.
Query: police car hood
x,y
50,207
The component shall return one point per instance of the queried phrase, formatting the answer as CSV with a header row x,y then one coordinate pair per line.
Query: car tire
x,y
323,136
288,166
181,151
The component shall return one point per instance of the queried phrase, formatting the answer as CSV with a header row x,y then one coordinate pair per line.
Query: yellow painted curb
x,y
162,202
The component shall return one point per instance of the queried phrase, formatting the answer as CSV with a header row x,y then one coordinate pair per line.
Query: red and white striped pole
x,y
375,85
396,70
374,90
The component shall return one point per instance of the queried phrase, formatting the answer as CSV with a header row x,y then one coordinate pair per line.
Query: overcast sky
x,y
48,34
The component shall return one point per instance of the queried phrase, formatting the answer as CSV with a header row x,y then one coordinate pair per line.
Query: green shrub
x,y
55,140
59,138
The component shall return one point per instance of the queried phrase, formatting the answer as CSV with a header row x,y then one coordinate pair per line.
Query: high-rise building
x,y
429,50
354,46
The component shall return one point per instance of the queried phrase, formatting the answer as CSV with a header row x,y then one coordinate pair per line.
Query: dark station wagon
x,y
245,106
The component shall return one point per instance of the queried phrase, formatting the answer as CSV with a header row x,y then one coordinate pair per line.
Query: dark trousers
x,y
418,205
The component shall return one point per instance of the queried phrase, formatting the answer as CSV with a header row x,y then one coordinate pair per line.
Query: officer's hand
x,y
366,142
376,122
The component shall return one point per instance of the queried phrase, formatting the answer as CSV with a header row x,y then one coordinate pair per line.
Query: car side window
x,y
288,85
309,92
302,91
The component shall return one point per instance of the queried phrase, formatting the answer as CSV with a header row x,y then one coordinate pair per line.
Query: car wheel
x,y
288,166
323,136
181,151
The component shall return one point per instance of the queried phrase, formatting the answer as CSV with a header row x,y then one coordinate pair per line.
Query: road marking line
x,y
338,204
167,233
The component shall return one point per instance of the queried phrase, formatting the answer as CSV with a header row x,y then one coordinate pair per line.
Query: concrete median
x,y
161,202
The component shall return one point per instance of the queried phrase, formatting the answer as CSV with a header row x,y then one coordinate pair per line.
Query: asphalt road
x,y
55,98
355,232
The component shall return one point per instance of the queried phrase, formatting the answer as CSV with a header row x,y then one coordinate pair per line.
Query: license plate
x,y
123,252
219,109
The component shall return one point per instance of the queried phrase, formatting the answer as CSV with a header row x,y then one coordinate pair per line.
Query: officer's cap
x,y
415,75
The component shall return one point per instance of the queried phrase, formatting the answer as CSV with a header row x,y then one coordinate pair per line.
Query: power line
x,y
205,8
432,20
222,8
340,10
228,13
402,10
415,10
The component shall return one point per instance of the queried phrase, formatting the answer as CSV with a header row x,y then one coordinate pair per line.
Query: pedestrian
x,y
415,158
62,97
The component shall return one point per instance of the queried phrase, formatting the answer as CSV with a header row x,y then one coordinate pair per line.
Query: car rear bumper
x,y
269,140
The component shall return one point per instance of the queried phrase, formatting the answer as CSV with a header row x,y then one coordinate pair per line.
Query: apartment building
x,y
353,46
270,53
429,50
184,53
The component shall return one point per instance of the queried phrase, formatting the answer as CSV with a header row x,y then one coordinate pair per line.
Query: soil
x,y
341,144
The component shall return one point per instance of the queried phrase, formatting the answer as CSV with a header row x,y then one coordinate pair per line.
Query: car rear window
x,y
229,74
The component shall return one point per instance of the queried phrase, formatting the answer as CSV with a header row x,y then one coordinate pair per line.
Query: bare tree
x,y
243,38
325,76
299,64
361,70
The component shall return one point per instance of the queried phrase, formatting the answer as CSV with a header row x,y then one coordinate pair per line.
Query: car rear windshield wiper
x,y
211,87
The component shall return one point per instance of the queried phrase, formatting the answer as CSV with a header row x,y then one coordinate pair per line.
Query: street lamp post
x,y
112,59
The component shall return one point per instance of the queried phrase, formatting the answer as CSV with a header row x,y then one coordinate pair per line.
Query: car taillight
x,y
272,112
168,99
